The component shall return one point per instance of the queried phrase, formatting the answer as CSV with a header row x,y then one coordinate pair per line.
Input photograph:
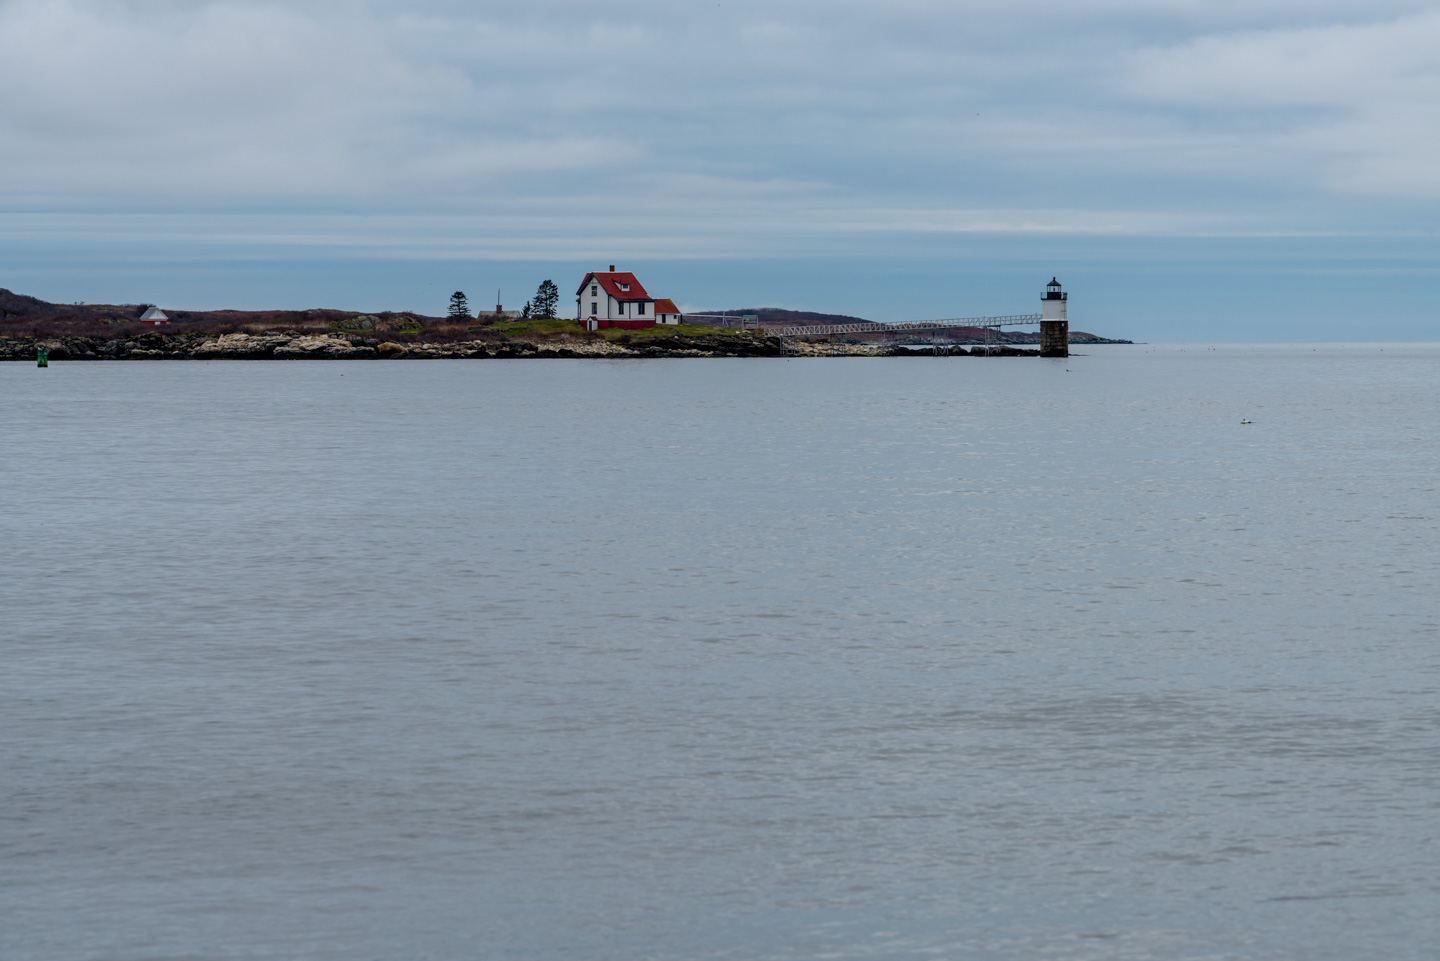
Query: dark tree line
x,y
543,304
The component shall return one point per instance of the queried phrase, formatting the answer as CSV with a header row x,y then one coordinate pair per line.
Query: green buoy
x,y
42,357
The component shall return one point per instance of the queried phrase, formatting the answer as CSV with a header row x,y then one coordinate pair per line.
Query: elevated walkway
x,y
910,327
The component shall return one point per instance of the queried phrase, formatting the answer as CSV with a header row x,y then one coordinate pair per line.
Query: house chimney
x,y
612,268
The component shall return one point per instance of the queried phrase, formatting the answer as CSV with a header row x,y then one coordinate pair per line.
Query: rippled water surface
x,y
687,659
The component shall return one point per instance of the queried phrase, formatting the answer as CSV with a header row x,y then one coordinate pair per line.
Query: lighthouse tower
x,y
1054,328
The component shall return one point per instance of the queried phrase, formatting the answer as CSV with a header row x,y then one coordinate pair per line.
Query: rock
x,y
318,346
391,349
239,347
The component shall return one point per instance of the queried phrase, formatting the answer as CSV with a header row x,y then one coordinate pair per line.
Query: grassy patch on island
x,y
540,328
670,330
535,325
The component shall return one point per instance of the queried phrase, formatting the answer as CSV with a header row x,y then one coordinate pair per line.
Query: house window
x,y
640,309
594,289
623,286
593,305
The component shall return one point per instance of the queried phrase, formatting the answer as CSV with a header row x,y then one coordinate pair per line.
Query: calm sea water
x,y
736,659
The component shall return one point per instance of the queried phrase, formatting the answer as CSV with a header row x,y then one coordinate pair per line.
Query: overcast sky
x,y
708,142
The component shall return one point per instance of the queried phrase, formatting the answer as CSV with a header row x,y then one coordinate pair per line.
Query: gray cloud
x,y
1359,105
690,129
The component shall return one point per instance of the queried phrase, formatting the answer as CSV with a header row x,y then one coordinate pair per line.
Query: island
x,y
29,325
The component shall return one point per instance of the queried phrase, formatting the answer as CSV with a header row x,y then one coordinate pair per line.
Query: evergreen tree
x,y
459,306
525,314
547,298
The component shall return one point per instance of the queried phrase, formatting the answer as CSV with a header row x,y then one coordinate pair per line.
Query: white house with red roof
x,y
617,299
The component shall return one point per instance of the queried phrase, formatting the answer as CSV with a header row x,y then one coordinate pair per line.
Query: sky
x,y
1191,170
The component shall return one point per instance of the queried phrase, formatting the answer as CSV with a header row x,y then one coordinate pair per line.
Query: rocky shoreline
x,y
336,346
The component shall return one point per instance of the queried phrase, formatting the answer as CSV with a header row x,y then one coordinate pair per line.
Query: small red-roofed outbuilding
x,y
666,312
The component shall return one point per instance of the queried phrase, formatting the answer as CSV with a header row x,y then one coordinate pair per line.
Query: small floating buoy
x,y
42,357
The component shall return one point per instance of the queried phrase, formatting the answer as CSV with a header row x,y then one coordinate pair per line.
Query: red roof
x,y
612,282
666,307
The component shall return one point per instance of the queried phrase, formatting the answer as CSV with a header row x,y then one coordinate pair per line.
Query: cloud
x,y
739,126
1356,105
225,101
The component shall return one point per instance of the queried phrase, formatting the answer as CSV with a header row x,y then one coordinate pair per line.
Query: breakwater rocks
x,y
826,349
329,346
306,346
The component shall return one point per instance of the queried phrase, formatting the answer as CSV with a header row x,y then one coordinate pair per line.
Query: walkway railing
x,y
826,330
